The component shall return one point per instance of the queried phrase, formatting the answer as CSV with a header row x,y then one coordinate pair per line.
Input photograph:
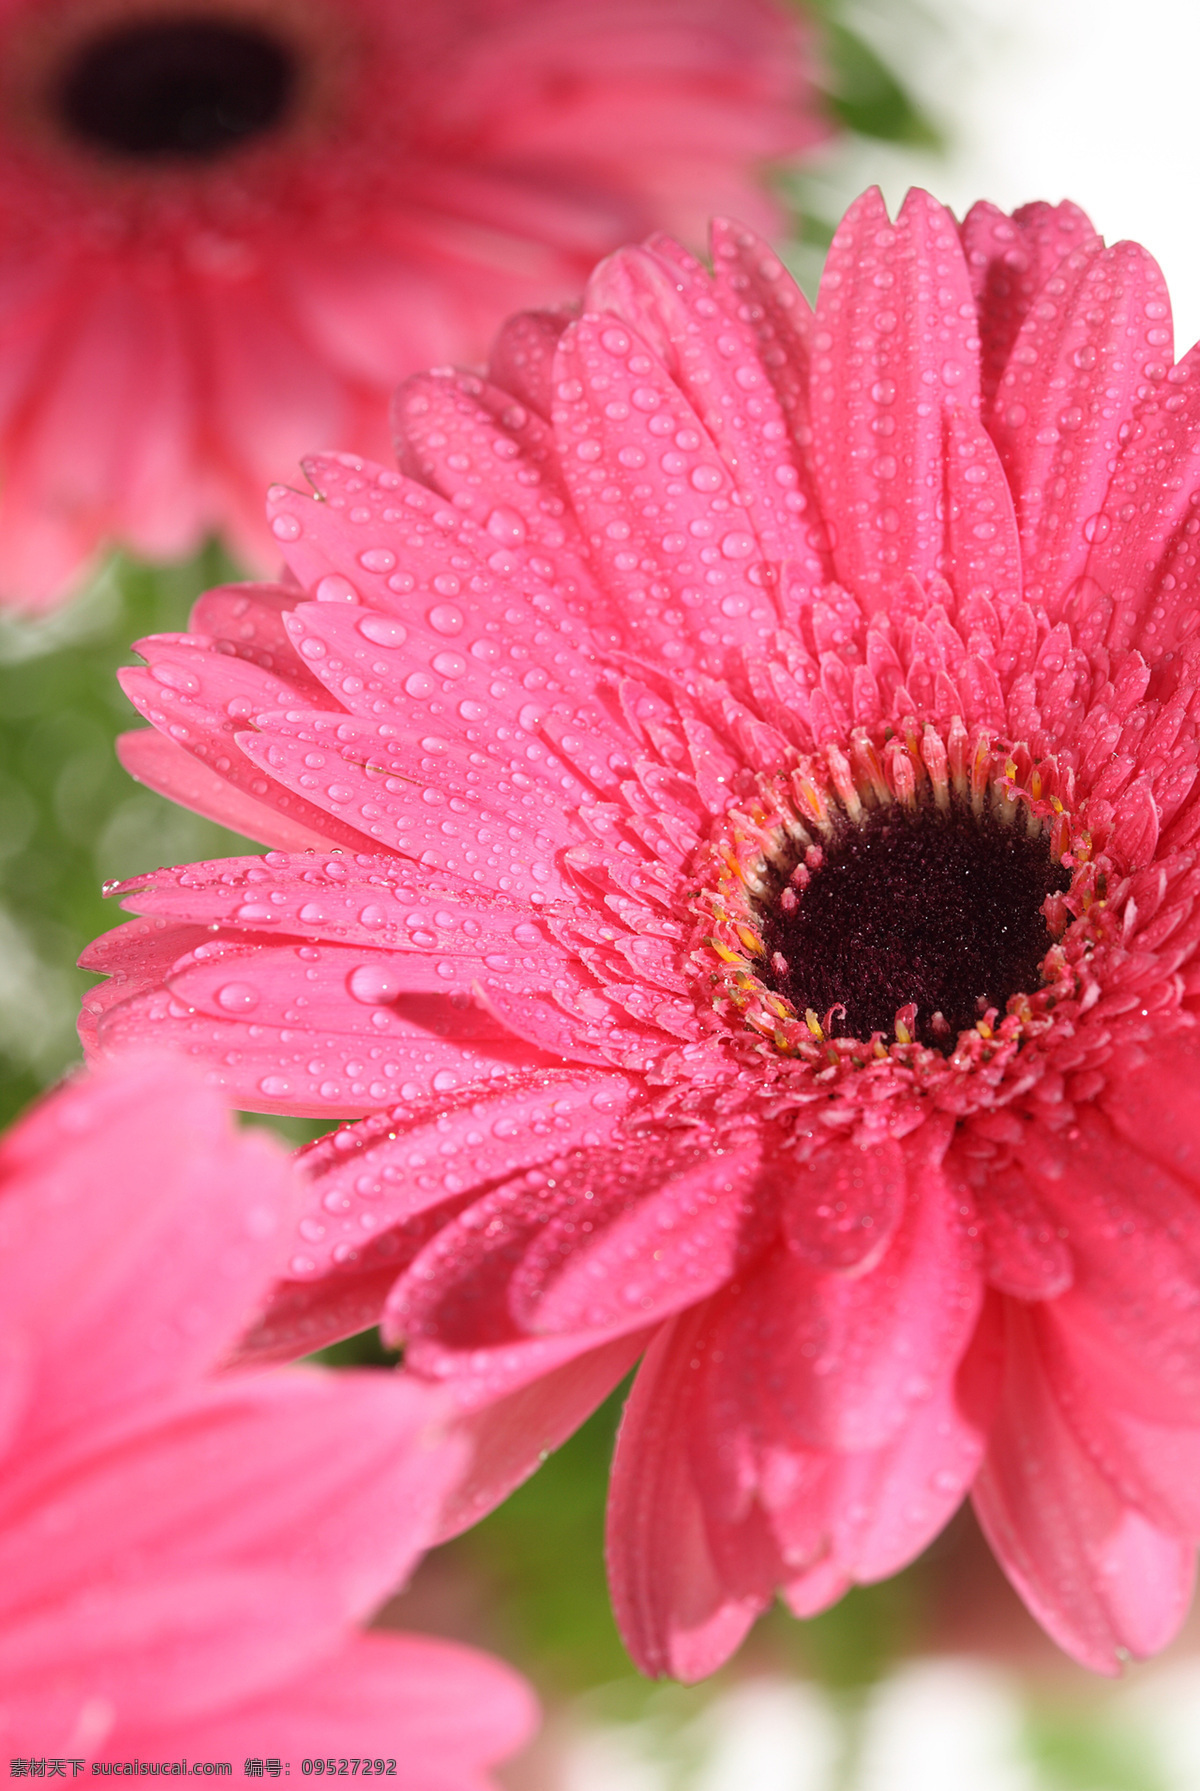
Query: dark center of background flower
x,y
180,87
940,910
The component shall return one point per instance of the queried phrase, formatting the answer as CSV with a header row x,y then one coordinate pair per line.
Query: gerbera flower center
x,y
936,911
903,893
184,86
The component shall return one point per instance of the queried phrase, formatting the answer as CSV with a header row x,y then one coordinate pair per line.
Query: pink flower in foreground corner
x,y
184,1555
230,226
735,805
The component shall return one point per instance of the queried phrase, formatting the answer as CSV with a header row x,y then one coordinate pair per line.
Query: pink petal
x,y
677,309
360,777
606,362
1079,363
390,1169
1023,1252
842,1214
887,1506
1134,1233
1152,1466
269,398
659,1235
170,769
838,1360
983,548
511,1438
1102,1580
298,1317
901,344
214,1545
676,1610
502,472
377,901
1140,544
337,1071
412,524
522,357
134,461
1010,260
376,313
752,279
445,1712
471,1306
134,1192
1153,1104
202,699
247,620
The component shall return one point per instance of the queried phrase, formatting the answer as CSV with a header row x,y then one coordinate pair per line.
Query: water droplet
x,y
706,478
506,526
237,998
333,588
254,911
382,630
737,546
446,618
374,984
285,528
377,559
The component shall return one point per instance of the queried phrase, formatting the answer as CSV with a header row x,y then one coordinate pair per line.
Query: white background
x,y
1095,100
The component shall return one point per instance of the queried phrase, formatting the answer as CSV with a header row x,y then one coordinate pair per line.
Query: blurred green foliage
x,y
1073,1751
864,94
69,816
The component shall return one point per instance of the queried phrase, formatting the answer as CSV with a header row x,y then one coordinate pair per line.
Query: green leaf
x,y
867,97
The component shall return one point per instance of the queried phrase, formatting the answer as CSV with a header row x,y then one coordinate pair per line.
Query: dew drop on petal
x,y
506,526
333,588
446,618
237,998
383,631
285,528
374,984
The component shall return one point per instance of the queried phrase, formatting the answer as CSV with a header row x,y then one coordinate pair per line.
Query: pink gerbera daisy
x,y
748,761
229,226
185,1555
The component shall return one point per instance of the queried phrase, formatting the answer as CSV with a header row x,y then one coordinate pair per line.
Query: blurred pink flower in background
x,y
748,761
229,226
185,1555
